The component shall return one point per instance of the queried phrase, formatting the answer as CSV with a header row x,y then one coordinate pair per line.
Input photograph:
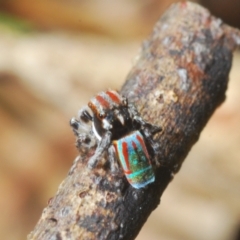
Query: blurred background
x,y
55,55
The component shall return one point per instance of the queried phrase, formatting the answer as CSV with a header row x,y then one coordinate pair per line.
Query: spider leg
x,y
148,129
151,129
134,113
103,145
84,136
75,124
136,116
82,130
112,158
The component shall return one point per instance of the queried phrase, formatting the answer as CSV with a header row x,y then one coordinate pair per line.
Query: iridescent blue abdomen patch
x,y
133,155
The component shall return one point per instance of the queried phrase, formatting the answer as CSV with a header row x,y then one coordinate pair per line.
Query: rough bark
x,y
178,80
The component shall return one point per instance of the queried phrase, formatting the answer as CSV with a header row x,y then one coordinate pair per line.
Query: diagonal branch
x,y
179,79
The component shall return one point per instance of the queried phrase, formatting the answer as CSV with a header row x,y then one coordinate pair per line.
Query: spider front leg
x,y
82,130
135,115
148,129
112,158
103,145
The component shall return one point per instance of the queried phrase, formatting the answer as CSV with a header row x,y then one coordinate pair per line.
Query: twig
x,y
179,79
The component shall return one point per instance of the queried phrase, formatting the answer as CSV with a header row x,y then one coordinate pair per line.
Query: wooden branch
x,y
179,79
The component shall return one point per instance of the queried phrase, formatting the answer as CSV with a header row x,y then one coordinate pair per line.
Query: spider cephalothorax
x,y
119,129
111,114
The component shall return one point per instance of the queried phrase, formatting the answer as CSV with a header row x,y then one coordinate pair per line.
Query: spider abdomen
x,y
133,155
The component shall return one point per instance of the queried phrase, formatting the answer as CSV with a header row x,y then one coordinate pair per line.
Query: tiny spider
x,y
117,127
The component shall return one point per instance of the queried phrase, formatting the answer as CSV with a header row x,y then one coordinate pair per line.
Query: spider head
x,y
110,113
